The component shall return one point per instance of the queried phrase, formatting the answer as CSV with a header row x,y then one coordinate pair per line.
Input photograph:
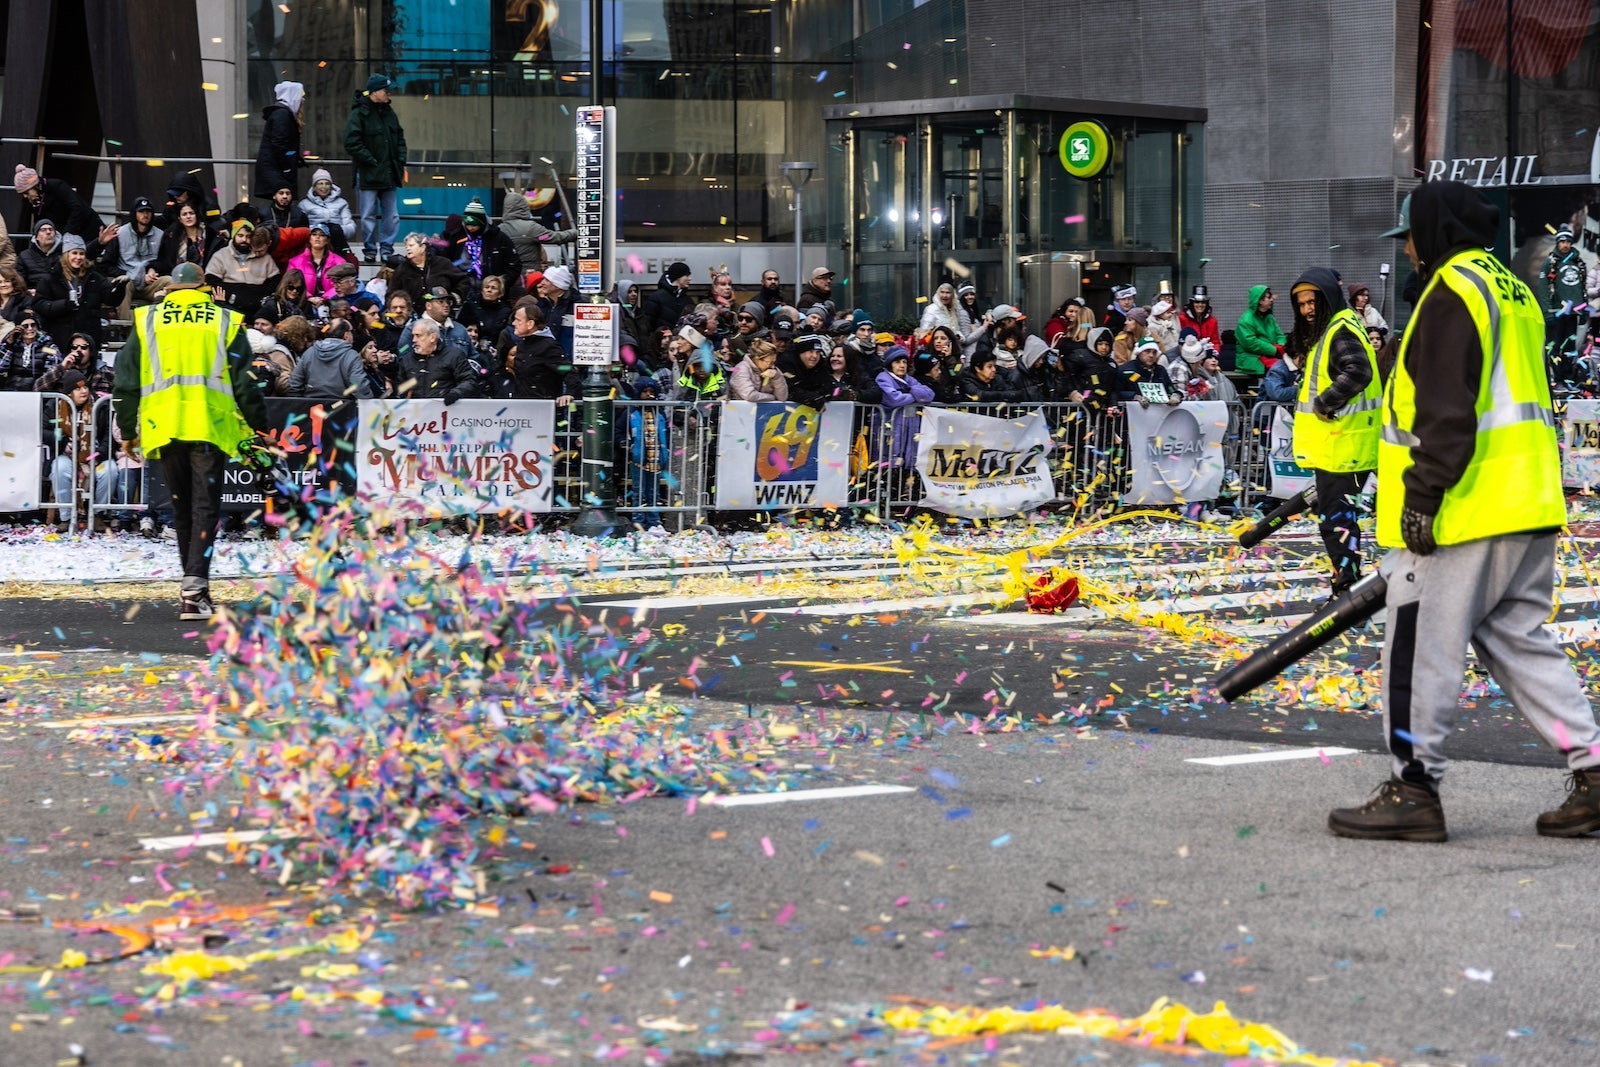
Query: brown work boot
x,y
1580,814
1398,811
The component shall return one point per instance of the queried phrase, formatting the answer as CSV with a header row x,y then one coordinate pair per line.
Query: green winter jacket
x,y
1257,336
377,144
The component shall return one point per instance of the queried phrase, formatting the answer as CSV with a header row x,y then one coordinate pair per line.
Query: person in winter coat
x,y
433,370
483,249
283,213
290,298
39,259
331,367
133,254
1197,316
931,373
1562,289
1282,383
751,324
770,296
8,253
185,187
1163,324
242,273
279,156
314,264
1134,327
489,310
941,311
671,300
1361,304
72,298
324,202
810,379
1145,379
757,378
973,321
54,199
901,395
1123,299
377,146
272,362
946,348
1183,360
535,243
981,383
1092,371
14,295
1258,340
26,354
540,368
819,290
421,270
187,240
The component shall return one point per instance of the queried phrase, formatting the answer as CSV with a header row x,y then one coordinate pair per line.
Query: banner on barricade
x,y
474,456
21,434
318,439
1176,451
1580,444
981,467
773,456
1285,477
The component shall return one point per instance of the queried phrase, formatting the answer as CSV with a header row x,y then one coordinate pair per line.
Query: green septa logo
x,y
1085,149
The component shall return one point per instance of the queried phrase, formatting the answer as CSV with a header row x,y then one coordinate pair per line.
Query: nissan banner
x,y
1176,452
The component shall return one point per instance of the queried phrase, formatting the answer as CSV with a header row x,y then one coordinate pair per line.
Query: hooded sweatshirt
x,y
278,158
531,238
330,368
1257,338
1442,353
1349,355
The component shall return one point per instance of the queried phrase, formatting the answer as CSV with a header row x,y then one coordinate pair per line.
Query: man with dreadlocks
x,y
1336,422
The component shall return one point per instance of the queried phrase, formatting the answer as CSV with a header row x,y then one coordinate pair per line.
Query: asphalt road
x,y
1068,850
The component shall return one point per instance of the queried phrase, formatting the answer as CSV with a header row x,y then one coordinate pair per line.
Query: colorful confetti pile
x,y
377,715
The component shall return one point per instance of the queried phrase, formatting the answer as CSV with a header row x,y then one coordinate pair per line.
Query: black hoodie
x,y
1349,364
1443,355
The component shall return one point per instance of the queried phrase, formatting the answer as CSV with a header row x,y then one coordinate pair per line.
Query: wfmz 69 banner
x,y
773,456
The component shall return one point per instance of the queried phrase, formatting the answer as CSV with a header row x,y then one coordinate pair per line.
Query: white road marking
x,y
1272,756
173,844
47,654
666,603
841,792
124,720
873,607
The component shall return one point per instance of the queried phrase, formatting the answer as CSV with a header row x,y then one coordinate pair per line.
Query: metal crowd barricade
x,y
48,454
1255,467
661,461
130,493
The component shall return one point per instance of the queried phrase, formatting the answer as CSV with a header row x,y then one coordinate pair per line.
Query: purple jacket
x,y
900,399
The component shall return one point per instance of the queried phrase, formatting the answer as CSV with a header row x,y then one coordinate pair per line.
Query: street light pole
x,y
798,174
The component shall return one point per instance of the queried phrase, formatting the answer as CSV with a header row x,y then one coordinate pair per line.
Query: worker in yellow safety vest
x,y
1470,499
1336,413
185,394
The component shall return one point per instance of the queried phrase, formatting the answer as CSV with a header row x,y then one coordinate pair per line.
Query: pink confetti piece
x,y
766,846
785,915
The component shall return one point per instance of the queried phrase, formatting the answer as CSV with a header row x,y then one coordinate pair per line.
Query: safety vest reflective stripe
x,y
1505,411
219,379
1361,403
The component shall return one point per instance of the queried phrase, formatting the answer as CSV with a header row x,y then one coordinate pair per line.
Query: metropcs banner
x,y
980,467
21,435
1580,444
1176,451
783,456
1285,476
475,456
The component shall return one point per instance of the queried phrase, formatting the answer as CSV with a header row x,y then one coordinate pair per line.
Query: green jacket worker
x,y
186,395
1470,499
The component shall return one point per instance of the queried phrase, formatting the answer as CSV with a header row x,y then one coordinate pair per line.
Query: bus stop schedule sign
x,y
594,334
597,197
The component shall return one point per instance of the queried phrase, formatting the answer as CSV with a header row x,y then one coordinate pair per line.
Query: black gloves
x,y
451,397
1416,529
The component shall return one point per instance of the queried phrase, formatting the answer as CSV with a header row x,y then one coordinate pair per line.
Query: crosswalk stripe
x,y
1273,755
117,720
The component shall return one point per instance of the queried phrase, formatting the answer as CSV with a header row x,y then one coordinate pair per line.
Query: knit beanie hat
x,y
475,213
26,178
321,175
377,83
240,224
70,241
1194,349
1139,315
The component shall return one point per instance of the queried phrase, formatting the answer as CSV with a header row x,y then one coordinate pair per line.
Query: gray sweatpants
x,y
1496,595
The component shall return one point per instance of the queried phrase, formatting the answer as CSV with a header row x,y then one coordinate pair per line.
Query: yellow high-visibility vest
x,y
185,389
1513,483
1349,442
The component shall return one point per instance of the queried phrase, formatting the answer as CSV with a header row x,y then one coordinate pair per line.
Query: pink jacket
x,y
317,285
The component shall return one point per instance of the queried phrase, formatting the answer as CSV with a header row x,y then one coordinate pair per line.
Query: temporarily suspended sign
x,y
597,198
1085,149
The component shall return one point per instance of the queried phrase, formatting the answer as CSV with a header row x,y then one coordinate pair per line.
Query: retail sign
x,y
1484,171
1085,149
594,334
597,198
